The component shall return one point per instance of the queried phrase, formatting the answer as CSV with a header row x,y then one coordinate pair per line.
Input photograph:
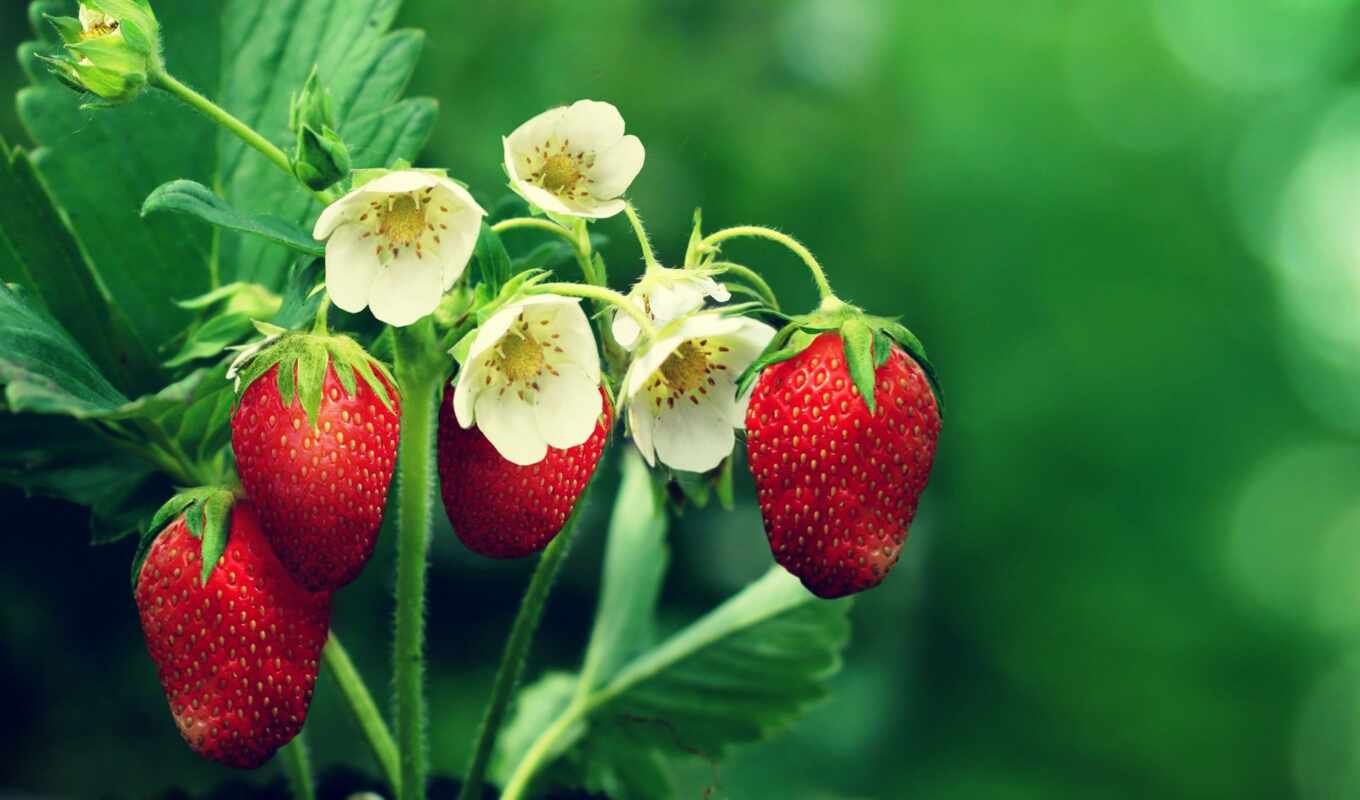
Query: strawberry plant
x,y
262,331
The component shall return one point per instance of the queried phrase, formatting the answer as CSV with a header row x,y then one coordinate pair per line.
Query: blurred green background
x,y
1127,231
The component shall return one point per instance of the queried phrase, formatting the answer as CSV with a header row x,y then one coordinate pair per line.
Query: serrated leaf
x,y
39,251
272,47
196,200
42,368
858,341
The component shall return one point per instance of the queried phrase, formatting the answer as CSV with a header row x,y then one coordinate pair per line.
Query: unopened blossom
x,y
531,379
681,391
397,243
666,295
574,160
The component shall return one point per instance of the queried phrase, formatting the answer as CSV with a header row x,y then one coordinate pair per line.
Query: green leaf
x,y
196,200
858,342
311,377
216,521
493,262
207,515
38,251
271,47
211,338
43,369
635,564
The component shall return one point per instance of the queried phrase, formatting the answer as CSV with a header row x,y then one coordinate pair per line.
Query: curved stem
x,y
419,373
535,223
512,661
758,232
542,750
164,80
322,311
297,767
364,709
638,230
752,277
603,295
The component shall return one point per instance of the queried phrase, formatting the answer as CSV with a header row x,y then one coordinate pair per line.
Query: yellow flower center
x,y
685,369
561,173
521,356
96,31
403,221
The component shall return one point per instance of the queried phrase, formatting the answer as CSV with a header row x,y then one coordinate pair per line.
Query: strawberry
x,y
235,640
838,480
503,510
315,451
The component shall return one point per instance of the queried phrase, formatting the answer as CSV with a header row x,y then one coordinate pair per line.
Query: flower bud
x,y
320,157
111,48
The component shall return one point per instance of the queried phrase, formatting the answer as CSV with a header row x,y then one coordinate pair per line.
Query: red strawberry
x,y
318,476
838,485
236,655
503,510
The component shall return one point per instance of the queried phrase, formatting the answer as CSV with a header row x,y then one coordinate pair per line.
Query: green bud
x,y
111,49
320,158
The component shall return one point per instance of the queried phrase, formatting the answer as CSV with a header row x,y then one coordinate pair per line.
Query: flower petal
x,y
567,408
346,209
403,180
542,198
591,125
568,323
351,267
695,437
508,422
465,392
640,425
407,290
625,330
616,167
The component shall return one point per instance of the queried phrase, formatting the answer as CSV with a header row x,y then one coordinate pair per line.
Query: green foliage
x,y
207,514
197,200
272,48
739,674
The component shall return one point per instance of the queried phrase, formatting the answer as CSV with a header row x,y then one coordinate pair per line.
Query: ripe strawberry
x,y
837,483
315,455
236,653
500,509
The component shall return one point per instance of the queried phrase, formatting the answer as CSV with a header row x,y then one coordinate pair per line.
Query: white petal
x,y
536,130
405,180
648,362
616,167
746,343
493,330
571,326
465,393
591,125
514,159
625,330
542,198
597,210
717,291
669,303
351,267
693,437
640,424
567,408
508,422
460,240
346,209
408,289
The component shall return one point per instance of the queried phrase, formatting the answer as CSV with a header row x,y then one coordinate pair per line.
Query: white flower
x,y
574,160
397,243
682,390
666,295
531,379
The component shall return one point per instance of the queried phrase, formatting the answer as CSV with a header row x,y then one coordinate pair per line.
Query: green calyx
x,y
111,49
868,341
207,513
302,359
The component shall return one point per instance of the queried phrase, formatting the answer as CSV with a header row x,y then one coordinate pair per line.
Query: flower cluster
x,y
530,379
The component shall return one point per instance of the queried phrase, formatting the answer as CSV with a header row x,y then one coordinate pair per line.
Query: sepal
x,y
302,359
207,515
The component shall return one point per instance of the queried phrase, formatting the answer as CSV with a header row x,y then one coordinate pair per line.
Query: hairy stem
x,y
164,80
512,660
364,709
537,224
757,232
419,373
297,767
751,277
648,256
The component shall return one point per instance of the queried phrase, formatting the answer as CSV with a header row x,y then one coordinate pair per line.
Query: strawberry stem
x,y
516,650
364,709
297,768
757,232
648,257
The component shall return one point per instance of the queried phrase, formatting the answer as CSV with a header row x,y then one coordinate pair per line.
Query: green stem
x,y
512,660
757,232
638,230
602,295
419,373
752,277
537,224
542,750
364,709
164,80
297,766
